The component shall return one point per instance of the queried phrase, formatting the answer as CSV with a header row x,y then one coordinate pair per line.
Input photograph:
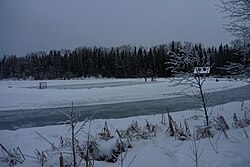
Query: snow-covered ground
x,y
25,95
160,150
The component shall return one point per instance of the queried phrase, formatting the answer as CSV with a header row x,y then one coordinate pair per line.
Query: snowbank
x,y
161,150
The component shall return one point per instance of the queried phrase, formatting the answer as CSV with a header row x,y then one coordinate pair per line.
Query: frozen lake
x,y
15,119
96,85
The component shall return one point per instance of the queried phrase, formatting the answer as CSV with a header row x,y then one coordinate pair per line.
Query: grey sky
x,y
41,25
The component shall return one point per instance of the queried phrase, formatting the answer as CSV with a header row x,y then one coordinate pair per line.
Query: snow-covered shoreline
x,y
156,151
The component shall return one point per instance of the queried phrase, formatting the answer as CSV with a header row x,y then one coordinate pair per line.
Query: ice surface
x,y
61,93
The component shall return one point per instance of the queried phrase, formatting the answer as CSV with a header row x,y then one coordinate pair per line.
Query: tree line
x,y
118,62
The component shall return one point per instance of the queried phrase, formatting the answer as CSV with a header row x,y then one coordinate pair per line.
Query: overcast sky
x,y
42,25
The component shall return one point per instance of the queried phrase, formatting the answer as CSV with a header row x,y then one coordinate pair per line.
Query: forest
x,y
116,62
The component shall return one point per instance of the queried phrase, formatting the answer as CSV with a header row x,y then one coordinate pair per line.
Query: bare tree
x,y
238,11
190,68
73,121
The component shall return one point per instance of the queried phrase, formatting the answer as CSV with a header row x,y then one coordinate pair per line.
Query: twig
x,y
11,155
216,151
47,140
245,132
132,160
195,151
236,139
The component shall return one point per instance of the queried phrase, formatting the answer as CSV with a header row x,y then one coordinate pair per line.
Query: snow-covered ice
x,y
21,97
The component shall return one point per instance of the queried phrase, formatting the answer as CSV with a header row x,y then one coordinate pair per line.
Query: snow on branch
x,y
234,68
238,11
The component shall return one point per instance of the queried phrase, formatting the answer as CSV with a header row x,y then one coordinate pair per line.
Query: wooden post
x,y
61,160
42,158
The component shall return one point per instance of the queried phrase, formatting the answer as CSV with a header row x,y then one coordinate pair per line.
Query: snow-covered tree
x,y
239,67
